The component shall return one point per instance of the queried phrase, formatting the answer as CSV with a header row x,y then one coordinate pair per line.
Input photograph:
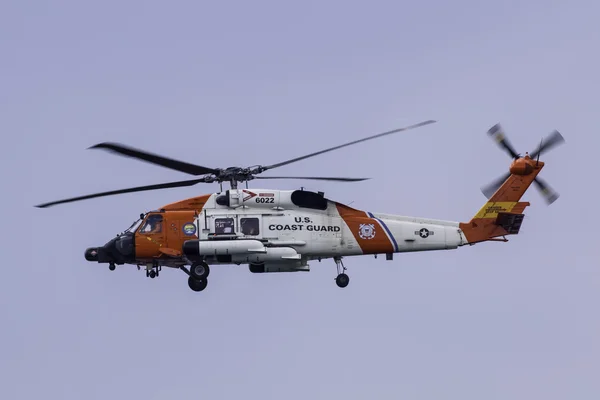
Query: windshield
x,y
152,224
134,226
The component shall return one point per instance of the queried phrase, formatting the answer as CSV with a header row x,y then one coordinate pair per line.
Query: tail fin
x,y
503,213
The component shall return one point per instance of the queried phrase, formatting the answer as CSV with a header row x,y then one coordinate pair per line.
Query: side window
x,y
153,224
223,226
249,226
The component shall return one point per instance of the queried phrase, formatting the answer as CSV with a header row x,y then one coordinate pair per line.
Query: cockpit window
x,y
153,224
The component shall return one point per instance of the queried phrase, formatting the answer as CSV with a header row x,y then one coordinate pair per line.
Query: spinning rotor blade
x,y
129,190
314,178
490,189
549,194
154,159
347,144
497,133
554,139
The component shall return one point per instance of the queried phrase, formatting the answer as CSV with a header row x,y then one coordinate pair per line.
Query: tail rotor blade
x,y
554,139
491,188
550,195
497,133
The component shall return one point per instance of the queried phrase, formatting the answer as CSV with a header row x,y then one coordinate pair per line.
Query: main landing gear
x,y
200,270
198,273
342,279
197,285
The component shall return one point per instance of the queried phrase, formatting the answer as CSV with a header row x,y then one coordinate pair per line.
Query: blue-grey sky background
x,y
243,83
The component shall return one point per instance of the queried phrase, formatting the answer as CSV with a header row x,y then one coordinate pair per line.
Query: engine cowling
x,y
272,199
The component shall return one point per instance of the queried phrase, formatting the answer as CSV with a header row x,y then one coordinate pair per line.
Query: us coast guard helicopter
x,y
283,230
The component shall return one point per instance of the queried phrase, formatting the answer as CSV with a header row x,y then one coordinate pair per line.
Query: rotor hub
x,y
524,166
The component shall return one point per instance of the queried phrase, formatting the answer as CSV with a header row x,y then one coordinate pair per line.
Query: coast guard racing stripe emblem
x,y
366,231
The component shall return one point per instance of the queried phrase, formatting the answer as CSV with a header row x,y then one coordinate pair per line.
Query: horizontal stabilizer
x,y
494,220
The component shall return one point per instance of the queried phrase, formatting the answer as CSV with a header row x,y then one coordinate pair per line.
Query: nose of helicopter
x,y
119,250
91,254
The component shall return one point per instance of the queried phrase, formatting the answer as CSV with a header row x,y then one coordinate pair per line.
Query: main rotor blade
x,y
180,166
129,190
490,189
497,133
554,139
347,144
314,178
549,194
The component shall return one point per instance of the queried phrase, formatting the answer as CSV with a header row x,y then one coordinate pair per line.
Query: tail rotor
x,y
551,141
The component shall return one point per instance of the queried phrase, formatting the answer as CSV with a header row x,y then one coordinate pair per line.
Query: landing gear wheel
x,y
197,285
111,266
152,274
199,271
342,280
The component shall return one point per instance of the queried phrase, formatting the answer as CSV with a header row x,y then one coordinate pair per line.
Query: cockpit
x,y
152,224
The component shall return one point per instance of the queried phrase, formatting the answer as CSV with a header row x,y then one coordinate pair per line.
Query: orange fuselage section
x,y
162,234
159,237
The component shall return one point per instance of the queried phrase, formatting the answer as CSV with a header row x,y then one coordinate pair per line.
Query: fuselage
x,y
253,226
278,229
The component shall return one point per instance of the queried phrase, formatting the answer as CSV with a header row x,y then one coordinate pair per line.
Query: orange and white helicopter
x,y
283,230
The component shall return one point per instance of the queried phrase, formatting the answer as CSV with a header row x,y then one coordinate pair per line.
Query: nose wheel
x,y
342,279
153,271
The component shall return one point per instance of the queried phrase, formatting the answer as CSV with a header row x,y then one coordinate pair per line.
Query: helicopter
x,y
274,231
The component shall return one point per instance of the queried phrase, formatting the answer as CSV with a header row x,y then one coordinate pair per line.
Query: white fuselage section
x,y
285,229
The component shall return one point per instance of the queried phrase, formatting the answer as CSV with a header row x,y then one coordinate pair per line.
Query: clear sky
x,y
243,83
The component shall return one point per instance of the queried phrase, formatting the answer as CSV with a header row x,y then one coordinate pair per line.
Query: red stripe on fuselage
x,y
368,232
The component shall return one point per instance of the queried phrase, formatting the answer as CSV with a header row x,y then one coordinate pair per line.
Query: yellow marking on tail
x,y
491,209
